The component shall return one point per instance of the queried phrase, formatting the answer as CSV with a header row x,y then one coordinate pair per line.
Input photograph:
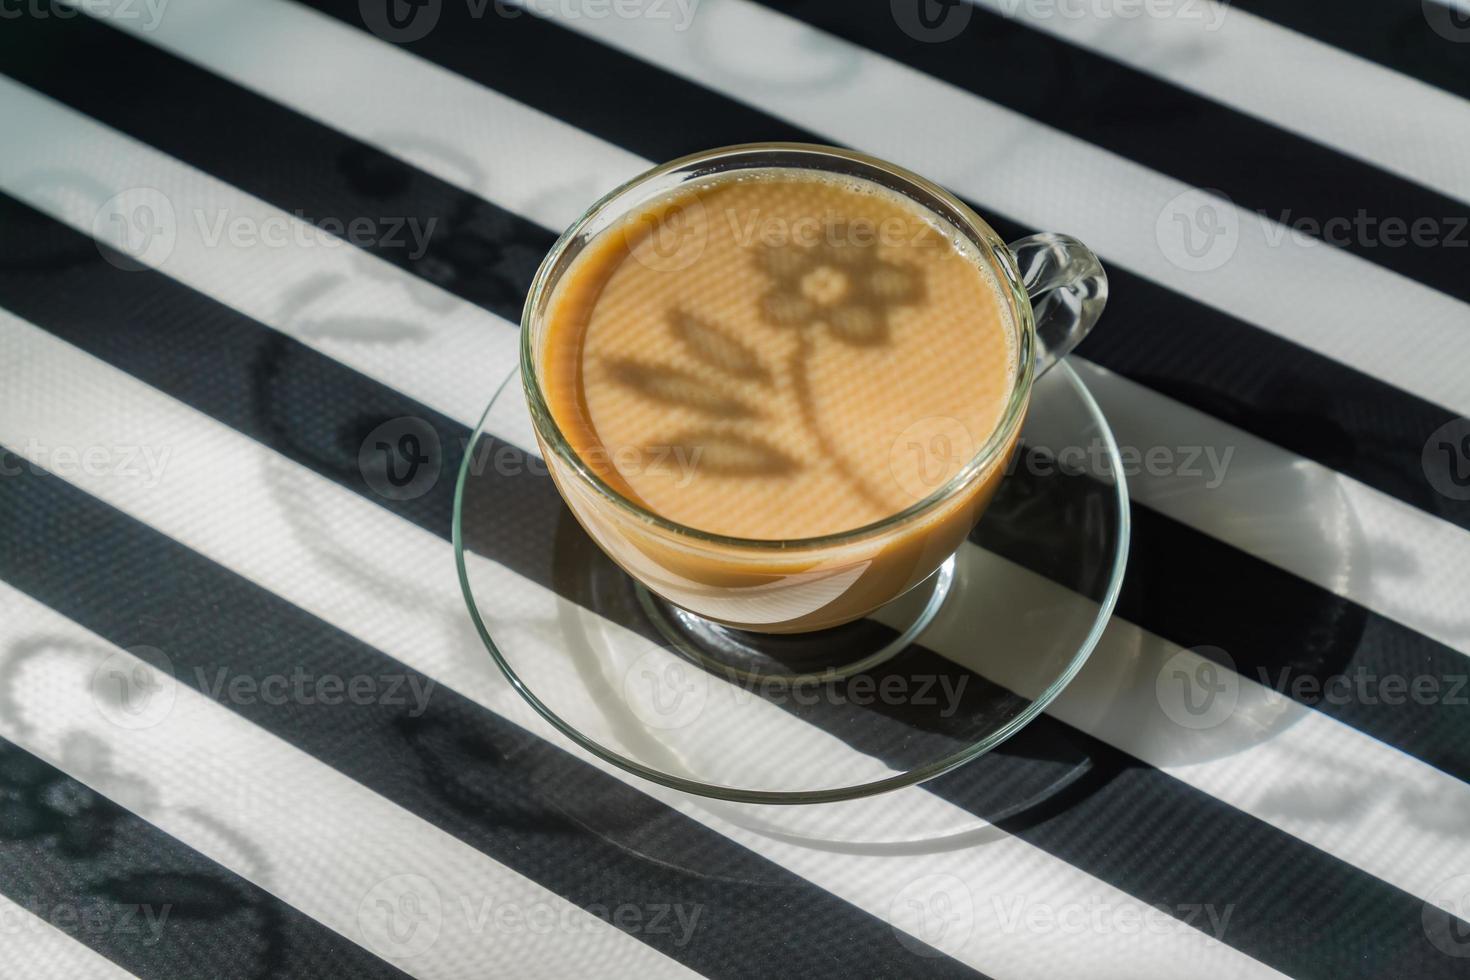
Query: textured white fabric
x,y
279,525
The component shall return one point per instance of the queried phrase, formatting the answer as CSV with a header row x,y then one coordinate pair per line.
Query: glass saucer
x,y
934,679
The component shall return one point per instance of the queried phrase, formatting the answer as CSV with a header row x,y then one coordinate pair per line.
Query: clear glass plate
x,y
1027,598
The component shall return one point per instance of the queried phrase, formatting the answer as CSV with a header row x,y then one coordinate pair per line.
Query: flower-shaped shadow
x,y
840,281
726,402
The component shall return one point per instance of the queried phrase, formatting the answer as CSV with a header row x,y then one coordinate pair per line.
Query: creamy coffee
x,y
779,355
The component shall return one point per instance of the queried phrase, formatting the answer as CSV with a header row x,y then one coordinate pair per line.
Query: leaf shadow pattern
x,y
114,862
675,386
732,453
839,283
716,445
719,348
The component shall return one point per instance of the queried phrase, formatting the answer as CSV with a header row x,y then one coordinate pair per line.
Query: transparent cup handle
x,y
1068,289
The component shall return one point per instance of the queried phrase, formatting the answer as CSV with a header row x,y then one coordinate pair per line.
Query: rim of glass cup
x,y
939,767
961,216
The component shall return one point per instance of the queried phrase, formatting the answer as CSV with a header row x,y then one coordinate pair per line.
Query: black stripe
x,y
1260,167
1430,43
483,254
1300,400
317,412
1309,644
1316,636
519,799
1343,419
972,804
301,165
154,906
1287,394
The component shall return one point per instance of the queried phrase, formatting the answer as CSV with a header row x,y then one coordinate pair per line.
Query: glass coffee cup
x,y
1053,289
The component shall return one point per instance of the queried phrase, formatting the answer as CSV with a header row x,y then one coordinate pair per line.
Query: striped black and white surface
x,y
188,369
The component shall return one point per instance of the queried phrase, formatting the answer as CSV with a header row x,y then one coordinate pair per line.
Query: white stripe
x,y
1319,297
1323,298
1324,527
468,135
1230,55
224,276
68,169
36,948
393,585
1270,757
235,275
273,814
